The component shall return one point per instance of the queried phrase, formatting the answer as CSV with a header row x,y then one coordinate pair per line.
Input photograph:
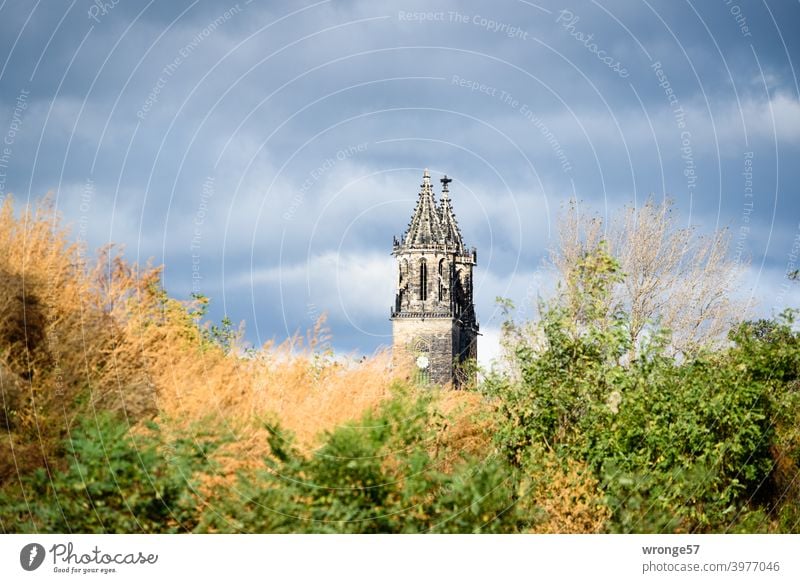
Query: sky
x,y
266,153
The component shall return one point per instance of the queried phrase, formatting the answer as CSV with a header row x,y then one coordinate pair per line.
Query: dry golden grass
x,y
76,338
282,383
57,342
570,500
466,428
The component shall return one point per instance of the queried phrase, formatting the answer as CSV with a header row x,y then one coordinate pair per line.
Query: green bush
x,y
116,481
690,446
374,476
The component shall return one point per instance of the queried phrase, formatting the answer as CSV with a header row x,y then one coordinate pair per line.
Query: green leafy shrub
x,y
116,481
374,476
709,444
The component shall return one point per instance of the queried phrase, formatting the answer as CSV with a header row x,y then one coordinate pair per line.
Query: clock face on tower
x,y
422,362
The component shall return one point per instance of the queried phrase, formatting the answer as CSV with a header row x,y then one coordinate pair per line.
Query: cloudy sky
x,y
267,152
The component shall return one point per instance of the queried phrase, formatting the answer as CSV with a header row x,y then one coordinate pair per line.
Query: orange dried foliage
x,y
75,338
569,499
466,428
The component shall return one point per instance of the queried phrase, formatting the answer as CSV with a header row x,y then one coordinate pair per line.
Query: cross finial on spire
x,y
445,182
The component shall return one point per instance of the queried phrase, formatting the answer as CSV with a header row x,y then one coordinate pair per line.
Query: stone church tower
x,y
434,329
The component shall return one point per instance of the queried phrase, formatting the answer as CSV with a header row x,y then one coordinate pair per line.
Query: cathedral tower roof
x,y
425,228
452,233
433,225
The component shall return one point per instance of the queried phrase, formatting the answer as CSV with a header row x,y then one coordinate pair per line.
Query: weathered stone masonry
x,y
434,327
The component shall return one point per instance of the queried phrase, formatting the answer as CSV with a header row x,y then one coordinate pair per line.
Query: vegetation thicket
x,y
630,404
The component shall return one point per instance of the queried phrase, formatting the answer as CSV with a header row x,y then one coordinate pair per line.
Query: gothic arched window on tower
x,y
423,280
402,281
459,291
441,279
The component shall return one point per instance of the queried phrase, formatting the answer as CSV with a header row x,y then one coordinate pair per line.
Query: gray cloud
x,y
313,122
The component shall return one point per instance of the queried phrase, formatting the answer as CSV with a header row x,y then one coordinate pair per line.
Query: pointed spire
x,y
447,217
425,229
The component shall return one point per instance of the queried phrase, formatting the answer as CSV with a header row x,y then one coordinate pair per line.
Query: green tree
x,y
677,446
